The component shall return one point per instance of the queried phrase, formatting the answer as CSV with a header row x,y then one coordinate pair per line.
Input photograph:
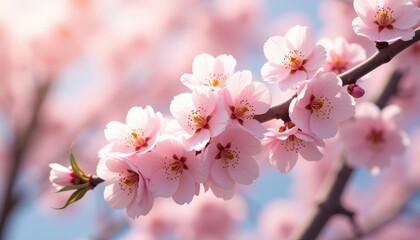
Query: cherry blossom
x,y
201,115
320,105
126,186
341,55
292,58
385,20
230,158
138,135
209,71
244,99
173,171
61,176
285,144
373,137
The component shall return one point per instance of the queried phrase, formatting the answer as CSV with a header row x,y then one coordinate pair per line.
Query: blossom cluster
x,y
213,139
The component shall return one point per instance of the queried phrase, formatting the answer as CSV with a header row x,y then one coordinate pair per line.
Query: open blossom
x,y
209,71
201,115
126,186
173,172
292,58
61,176
138,135
285,144
341,55
244,99
320,105
373,137
230,158
385,20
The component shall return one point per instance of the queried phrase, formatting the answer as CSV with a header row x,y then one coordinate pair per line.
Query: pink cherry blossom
x,y
173,171
320,105
292,58
209,71
341,55
283,146
244,99
61,176
138,135
373,137
201,115
230,158
126,186
385,20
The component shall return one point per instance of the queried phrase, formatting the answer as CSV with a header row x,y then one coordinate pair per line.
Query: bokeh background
x,y
67,67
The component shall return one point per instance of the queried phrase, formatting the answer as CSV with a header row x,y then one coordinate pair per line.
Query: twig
x,y
21,141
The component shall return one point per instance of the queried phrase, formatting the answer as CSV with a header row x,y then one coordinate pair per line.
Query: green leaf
x,y
74,187
77,195
77,169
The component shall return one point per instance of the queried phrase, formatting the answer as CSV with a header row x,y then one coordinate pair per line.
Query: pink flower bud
x,y
61,176
355,90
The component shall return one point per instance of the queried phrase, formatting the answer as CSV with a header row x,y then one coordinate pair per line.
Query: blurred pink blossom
x,y
373,137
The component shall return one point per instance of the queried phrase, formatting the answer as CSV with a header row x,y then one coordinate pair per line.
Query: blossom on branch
x,y
385,20
173,172
292,59
244,99
209,71
285,144
320,105
126,186
229,158
61,176
137,136
201,115
373,136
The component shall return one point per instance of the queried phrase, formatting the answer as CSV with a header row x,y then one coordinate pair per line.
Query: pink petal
x,y
283,160
197,141
310,152
189,80
300,116
220,175
323,128
248,165
292,80
224,64
369,30
204,98
275,48
301,39
203,66
161,185
273,73
365,9
149,164
343,107
316,58
389,35
116,132
116,197
186,189
407,16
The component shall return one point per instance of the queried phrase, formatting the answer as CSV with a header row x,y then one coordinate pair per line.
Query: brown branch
x,y
11,199
330,203
382,56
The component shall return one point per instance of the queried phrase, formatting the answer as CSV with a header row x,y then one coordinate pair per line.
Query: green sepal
x,y
77,195
74,187
77,169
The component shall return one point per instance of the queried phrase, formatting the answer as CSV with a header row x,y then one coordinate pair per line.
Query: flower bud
x,y
355,90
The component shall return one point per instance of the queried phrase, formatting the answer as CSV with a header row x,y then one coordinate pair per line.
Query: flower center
x,y
128,181
376,137
230,157
292,144
137,140
174,167
321,106
216,80
294,61
243,111
197,119
338,64
384,18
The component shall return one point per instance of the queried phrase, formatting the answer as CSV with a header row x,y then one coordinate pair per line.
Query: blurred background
x,y
68,67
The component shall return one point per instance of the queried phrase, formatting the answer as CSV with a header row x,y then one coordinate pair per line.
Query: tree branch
x,y
382,56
